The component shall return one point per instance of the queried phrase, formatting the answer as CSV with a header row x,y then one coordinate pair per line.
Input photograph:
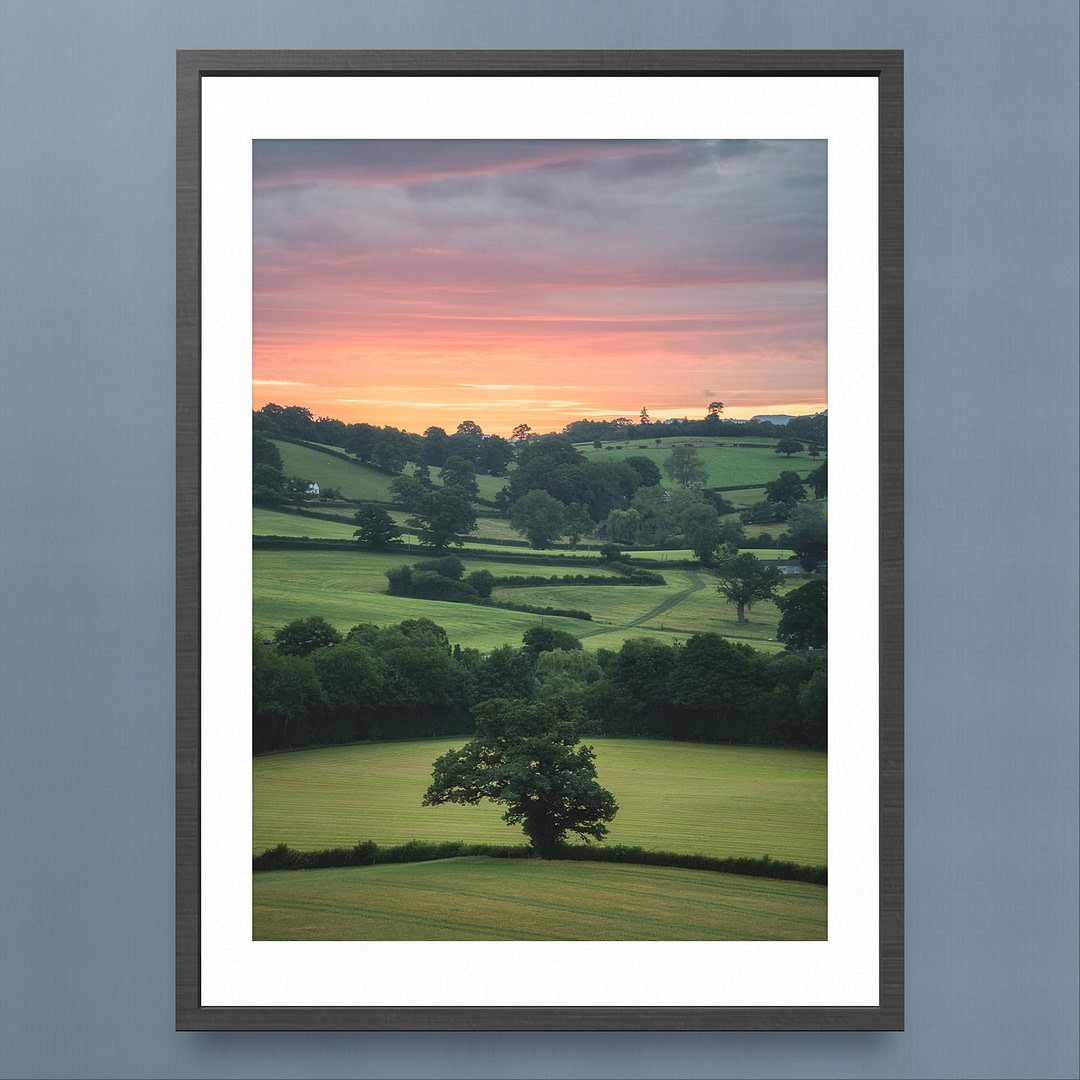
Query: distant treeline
x,y
384,444
315,685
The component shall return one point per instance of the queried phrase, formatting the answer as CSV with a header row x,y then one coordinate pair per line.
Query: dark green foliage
x,y
788,487
427,583
538,639
450,566
295,490
388,455
700,524
405,680
376,527
685,467
264,452
495,455
647,470
293,421
303,636
444,518
576,524
718,502
765,512
286,695
482,582
539,517
532,609
409,492
551,464
434,446
819,480
811,429
400,581
368,853
712,683
529,758
610,553
630,576
458,474
804,616
508,673
789,446
808,534
744,580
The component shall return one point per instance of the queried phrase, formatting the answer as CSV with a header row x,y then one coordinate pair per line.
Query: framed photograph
x,y
544,682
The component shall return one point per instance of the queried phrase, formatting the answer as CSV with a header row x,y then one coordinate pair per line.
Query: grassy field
x,y
347,588
693,798
726,465
353,480
276,523
481,899
279,523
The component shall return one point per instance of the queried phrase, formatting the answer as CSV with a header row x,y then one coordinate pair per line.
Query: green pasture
x,y
363,570
688,604
620,605
483,899
692,798
353,480
276,523
279,523
349,587
743,500
726,465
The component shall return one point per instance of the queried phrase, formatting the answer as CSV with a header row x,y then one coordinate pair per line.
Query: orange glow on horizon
x,y
420,284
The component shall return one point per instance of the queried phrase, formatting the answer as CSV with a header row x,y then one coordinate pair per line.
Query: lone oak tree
x,y
527,756
745,579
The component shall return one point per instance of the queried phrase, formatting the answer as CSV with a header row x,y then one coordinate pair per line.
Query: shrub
x,y
450,566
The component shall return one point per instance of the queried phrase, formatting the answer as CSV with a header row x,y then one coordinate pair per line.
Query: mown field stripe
x,y
491,899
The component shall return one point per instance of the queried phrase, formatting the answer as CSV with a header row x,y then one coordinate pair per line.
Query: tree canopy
x,y
376,527
808,534
789,446
443,518
685,467
787,487
804,615
528,757
745,579
539,517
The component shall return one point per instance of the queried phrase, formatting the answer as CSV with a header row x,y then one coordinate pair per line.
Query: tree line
x,y
313,684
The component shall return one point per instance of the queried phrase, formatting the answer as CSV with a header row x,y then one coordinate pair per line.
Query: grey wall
x,y
86,548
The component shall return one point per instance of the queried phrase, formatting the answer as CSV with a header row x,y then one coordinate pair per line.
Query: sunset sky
x,y
427,282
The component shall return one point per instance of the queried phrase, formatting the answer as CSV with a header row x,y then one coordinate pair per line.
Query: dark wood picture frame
x,y
887,67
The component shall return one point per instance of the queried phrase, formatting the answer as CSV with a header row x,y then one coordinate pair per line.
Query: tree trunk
x,y
739,612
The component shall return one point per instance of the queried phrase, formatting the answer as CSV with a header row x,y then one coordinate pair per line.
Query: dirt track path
x,y
697,584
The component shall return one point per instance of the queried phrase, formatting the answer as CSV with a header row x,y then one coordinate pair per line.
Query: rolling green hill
x,y
354,480
727,465
482,899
